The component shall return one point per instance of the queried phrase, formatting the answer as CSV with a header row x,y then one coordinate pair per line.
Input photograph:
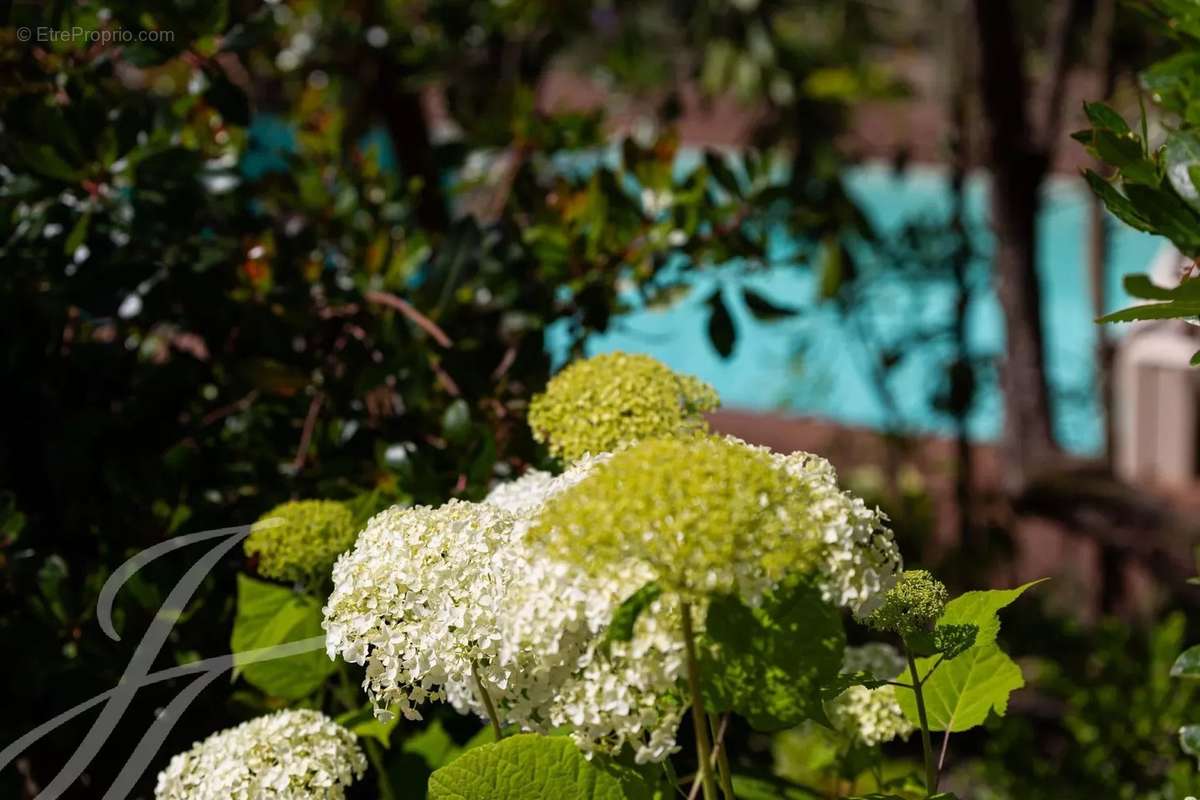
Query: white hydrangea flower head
x,y
528,493
622,693
861,559
871,716
288,755
629,693
523,494
419,601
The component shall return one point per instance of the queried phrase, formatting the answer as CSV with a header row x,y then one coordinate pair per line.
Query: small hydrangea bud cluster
x,y
871,716
297,542
913,605
602,403
288,755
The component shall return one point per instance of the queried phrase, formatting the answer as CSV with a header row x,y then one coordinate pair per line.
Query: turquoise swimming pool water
x,y
817,365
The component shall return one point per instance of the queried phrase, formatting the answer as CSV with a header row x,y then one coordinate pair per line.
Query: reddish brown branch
x,y
310,422
404,307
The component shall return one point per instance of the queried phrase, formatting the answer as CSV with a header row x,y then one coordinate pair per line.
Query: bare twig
x,y
444,379
232,408
718,744
310,422
404,307
510,355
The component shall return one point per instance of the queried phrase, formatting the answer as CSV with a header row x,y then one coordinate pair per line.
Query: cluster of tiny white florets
x,y
289,755
628,693
871,716
610,694
432,600
419,601
526,495
861,559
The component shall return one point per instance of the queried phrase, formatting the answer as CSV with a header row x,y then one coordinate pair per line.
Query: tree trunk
x,y
1019,159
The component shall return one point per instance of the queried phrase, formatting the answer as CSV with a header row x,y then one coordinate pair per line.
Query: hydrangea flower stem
x,y
699,717
374,753
931,775
722,753
486,699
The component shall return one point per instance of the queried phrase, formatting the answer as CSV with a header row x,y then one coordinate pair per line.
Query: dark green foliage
x,y
770,664
1118,732
1157,191
238,272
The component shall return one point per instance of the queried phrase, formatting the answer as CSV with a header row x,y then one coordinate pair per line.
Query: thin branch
x,y
444,378
310,422
510,355
232,408
404,307
717,754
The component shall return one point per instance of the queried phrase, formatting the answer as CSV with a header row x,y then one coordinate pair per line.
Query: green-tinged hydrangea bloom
x,y
603,403
290,755
299,541
870,716
705,514
912,605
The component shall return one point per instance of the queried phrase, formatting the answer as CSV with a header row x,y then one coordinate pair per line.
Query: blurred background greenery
x,y
260,251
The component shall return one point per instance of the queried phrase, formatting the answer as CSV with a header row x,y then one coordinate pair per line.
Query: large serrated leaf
x,y
270,615
532,767
965,687
961,693
769,663
981,609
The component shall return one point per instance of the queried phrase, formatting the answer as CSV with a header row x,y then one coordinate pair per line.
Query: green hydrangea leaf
x,y
1188,664
764,787
434,745
771,663
626,616
981,609
532,767
269,615
961,693
362,723
954,640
